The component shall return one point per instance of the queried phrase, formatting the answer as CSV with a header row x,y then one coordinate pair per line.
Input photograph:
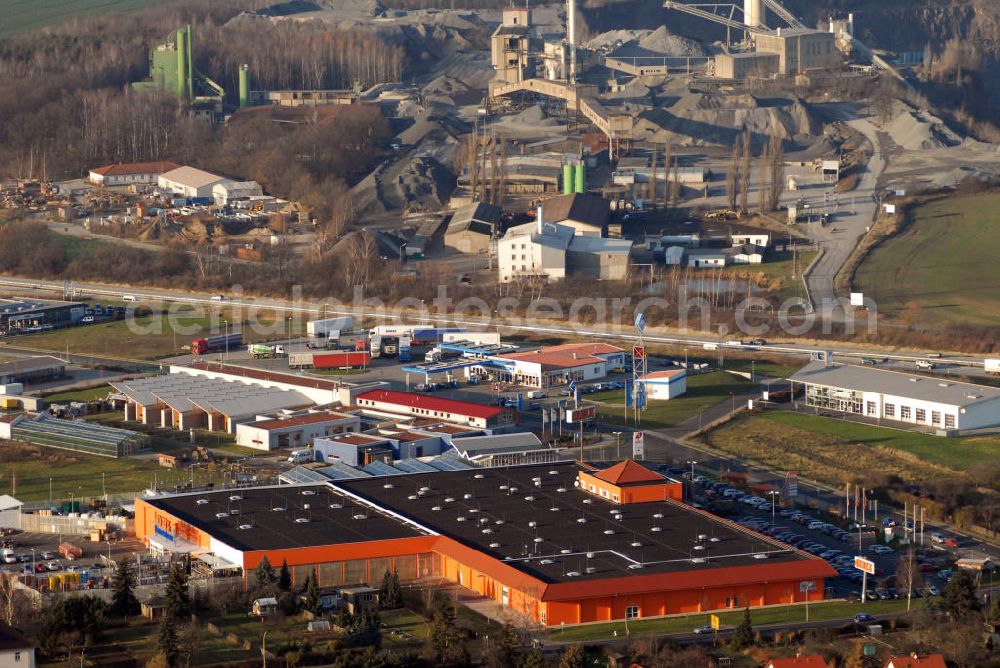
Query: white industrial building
x,y
663,385
125,174
296,430
10,514
188,182
554,251
940,403
227,191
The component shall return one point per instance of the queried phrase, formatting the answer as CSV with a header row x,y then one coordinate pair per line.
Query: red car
x,y
40,568
928,568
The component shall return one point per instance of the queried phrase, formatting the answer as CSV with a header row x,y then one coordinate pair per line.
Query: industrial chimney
x,y
571,38
753,13
541,223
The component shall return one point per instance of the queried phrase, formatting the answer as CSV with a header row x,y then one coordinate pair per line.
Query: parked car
x,y
863,618
703,629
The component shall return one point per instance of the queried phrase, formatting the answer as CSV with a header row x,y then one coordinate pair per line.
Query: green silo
x,y
567,179
244,86
581,178
181,47
190,67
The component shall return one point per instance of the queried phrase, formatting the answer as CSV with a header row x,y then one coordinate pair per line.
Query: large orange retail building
x,y
557,543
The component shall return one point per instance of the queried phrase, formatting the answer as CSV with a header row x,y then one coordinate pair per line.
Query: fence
x,y
78,526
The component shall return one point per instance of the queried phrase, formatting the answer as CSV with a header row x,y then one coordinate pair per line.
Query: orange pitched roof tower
x,y
630,482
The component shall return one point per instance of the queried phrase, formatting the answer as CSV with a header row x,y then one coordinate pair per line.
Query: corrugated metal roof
x,y
437,404
191,177
895,383
476,446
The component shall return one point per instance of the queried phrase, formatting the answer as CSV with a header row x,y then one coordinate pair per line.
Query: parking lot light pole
x,y
692,462
618,445
774,494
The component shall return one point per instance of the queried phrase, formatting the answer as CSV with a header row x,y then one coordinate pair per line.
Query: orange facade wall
x,y
548,604
631,493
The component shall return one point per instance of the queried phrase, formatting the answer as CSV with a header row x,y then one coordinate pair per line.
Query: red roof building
x,y
416,404
123,174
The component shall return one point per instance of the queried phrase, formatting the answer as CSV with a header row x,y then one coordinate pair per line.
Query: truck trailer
x,y
341,359
319,329
214,344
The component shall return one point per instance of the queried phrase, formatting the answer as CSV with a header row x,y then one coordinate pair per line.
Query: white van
x,y
924,364
218,298
129,298
300,456
7,556
536,394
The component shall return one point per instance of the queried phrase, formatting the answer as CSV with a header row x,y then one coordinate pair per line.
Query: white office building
x,y
900,397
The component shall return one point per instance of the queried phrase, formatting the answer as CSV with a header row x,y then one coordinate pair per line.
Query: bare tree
x,y
746,157
733,176
765,172
908,575
651,188
777,169
675,184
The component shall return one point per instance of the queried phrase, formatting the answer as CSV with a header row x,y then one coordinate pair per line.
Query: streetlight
x,y
225,324
774,494
618,445
692,462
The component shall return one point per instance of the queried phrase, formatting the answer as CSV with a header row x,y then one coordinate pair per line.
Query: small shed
x,y
264,607
153,607
356,599
318,626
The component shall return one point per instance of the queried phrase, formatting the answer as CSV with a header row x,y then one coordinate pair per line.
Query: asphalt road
x,y
507,325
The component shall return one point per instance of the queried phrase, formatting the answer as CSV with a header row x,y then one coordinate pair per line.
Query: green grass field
x,y
152,337
25,15
703,391
941,266
98,392
771,615
835,451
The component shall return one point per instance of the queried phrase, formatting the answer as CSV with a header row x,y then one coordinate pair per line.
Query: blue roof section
x,y
301,474
440,367
473,349
377,468
341,471
414,466
449,463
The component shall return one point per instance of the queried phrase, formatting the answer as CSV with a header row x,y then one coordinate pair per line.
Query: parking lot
x,y
38,554
803,529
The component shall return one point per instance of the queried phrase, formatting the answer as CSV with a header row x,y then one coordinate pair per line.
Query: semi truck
x,y
375,346
992,366
341,359
404,348
419,335
263,351
319,329
70,551
214,344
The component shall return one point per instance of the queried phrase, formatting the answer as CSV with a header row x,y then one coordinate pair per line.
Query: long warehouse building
x,y
555,543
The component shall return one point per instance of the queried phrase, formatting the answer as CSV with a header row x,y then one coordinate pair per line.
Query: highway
x,y
506,323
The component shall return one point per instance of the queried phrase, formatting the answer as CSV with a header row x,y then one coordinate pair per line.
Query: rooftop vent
x,y
234,511
424,489
359,516
235,497
460,519
244,527
635,567
581,520
466,496
702,536
278,509
498,522
308,492
635,543
658,515
473,511
657,529
201,502
529,498
699,547
539,540
305,506
554,509
589,570
565,551
336,506
478,476
412,497
435,507
573,574
560,489
532,524
513,489
449,499
305,520
487,530
504,487
609,532
698,560
388,485
553,472
713,539
546,561
494,545
588,501
221,515
760,555
484,520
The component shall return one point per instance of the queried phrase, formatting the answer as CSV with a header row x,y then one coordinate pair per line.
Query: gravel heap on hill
x,y
917,129
648,42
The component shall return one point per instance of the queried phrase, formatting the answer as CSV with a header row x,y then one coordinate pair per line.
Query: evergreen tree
x,y
534,658
390,595
123,600
264,577
311,600
285,577
178,598
959,597
445,643
572,657
743,636
167,641
507,650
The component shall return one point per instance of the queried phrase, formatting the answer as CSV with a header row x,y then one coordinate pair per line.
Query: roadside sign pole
x,y
864,587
